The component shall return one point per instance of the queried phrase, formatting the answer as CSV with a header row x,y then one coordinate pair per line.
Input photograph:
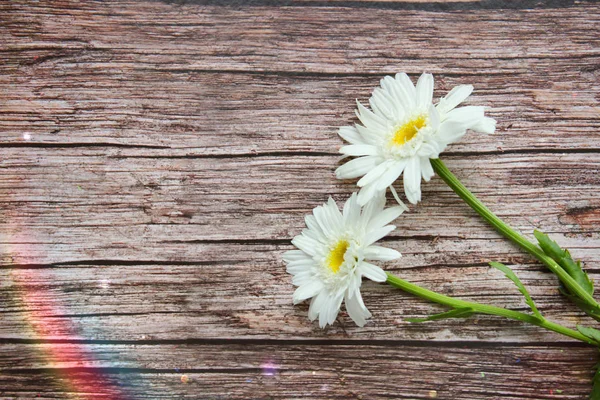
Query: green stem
x,y
440,168
484,308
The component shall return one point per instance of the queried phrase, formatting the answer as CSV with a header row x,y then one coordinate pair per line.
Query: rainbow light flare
x,y
72,362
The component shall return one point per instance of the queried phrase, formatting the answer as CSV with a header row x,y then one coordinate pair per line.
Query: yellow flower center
x,y
407,131
335,258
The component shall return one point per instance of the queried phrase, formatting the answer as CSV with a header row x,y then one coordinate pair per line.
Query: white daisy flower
x,y
334,255
405,130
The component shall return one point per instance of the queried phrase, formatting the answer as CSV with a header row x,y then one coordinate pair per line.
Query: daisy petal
x,y
377,234
359,150
307,291
424,91
305,244
299,266
412,180
385,217
329,220
372,272
430,150
360,303
321,218
434,117
374,207
379,253
334,308
354,284
367,193
374,174
316,304
391,86
357,310
351,211
485,125
312,234
390,176
334,213
407,89
469,115
368,118
357,167
293,255
426,169
350,134
383,104
456,96
371,136
313,226
303,278
329,310
451,131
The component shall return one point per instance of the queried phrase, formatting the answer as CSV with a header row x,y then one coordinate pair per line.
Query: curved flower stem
x,y
440,168
479,308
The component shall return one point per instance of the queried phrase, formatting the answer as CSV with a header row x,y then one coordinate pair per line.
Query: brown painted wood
x,y
138,70
52,196
324,371
156,158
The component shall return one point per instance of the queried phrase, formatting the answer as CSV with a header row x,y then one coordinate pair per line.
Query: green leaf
x,y
563,258
576,271
550,247
592,333
456,313
589,309
511,275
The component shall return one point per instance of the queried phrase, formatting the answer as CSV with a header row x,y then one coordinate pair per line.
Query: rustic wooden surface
x,y
157,158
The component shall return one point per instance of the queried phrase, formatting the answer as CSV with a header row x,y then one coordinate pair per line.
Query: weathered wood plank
x,y
286,371
60,210
112,75
113,207
286,114
242,291
309,39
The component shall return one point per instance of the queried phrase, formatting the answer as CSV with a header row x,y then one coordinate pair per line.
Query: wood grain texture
x,y
225,80
156,158
325,371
